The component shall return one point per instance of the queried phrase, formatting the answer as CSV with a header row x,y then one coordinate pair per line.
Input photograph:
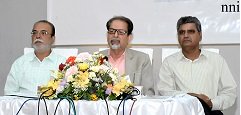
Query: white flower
x,y
88,71
83,56
54,74
92,75
104,67
70,78
96,79
71,71
113,76
59,89
95,68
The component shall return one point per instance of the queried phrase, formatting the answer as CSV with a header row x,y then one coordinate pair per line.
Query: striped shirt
x,y
209,74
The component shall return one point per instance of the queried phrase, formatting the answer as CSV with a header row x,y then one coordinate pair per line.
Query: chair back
x,y
169,51
148,51
66,52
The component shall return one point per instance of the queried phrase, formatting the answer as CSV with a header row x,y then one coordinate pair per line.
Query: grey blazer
x,y
138,67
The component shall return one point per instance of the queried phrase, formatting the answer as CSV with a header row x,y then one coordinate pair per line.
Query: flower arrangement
x,y
86,77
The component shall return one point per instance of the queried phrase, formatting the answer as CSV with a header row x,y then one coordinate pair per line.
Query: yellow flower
x,y
49,92
117,88
76,97
57,74
93,97
46,91
53,84
87,74
82,79
83,66
121,86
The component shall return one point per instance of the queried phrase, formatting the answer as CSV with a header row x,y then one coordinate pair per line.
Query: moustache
x,y
38,40
115,43
114,40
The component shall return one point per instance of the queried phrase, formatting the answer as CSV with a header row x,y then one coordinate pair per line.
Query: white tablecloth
x,y
158,105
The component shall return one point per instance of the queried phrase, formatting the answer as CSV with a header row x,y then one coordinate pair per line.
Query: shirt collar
x,y
51,57
122,55
203,54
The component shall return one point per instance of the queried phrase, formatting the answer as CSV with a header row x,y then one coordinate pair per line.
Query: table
x,y
157,105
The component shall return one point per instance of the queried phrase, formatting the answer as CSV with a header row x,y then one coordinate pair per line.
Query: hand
x,y
205,98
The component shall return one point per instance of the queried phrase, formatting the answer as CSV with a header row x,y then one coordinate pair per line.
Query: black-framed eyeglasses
x,y
119,31
42,33
183,32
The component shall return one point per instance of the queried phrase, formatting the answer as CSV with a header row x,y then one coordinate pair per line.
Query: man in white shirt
x,y
34,69
197,72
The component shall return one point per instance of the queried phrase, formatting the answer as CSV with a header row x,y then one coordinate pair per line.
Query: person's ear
x,y
130,38
200,36
53,39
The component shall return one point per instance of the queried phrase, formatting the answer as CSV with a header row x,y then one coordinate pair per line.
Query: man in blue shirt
x,y
34,69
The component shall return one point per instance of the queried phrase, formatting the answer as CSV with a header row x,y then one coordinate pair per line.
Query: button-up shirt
x,y
28,72
118,63
209,74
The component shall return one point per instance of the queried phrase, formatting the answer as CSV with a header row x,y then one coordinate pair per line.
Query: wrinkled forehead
x,y
119,24
42,26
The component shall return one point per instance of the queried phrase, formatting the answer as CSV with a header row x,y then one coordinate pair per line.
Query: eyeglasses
x,y
42,33
183,32
119,31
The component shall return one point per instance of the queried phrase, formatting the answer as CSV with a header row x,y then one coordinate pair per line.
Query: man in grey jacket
x,y
129,62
